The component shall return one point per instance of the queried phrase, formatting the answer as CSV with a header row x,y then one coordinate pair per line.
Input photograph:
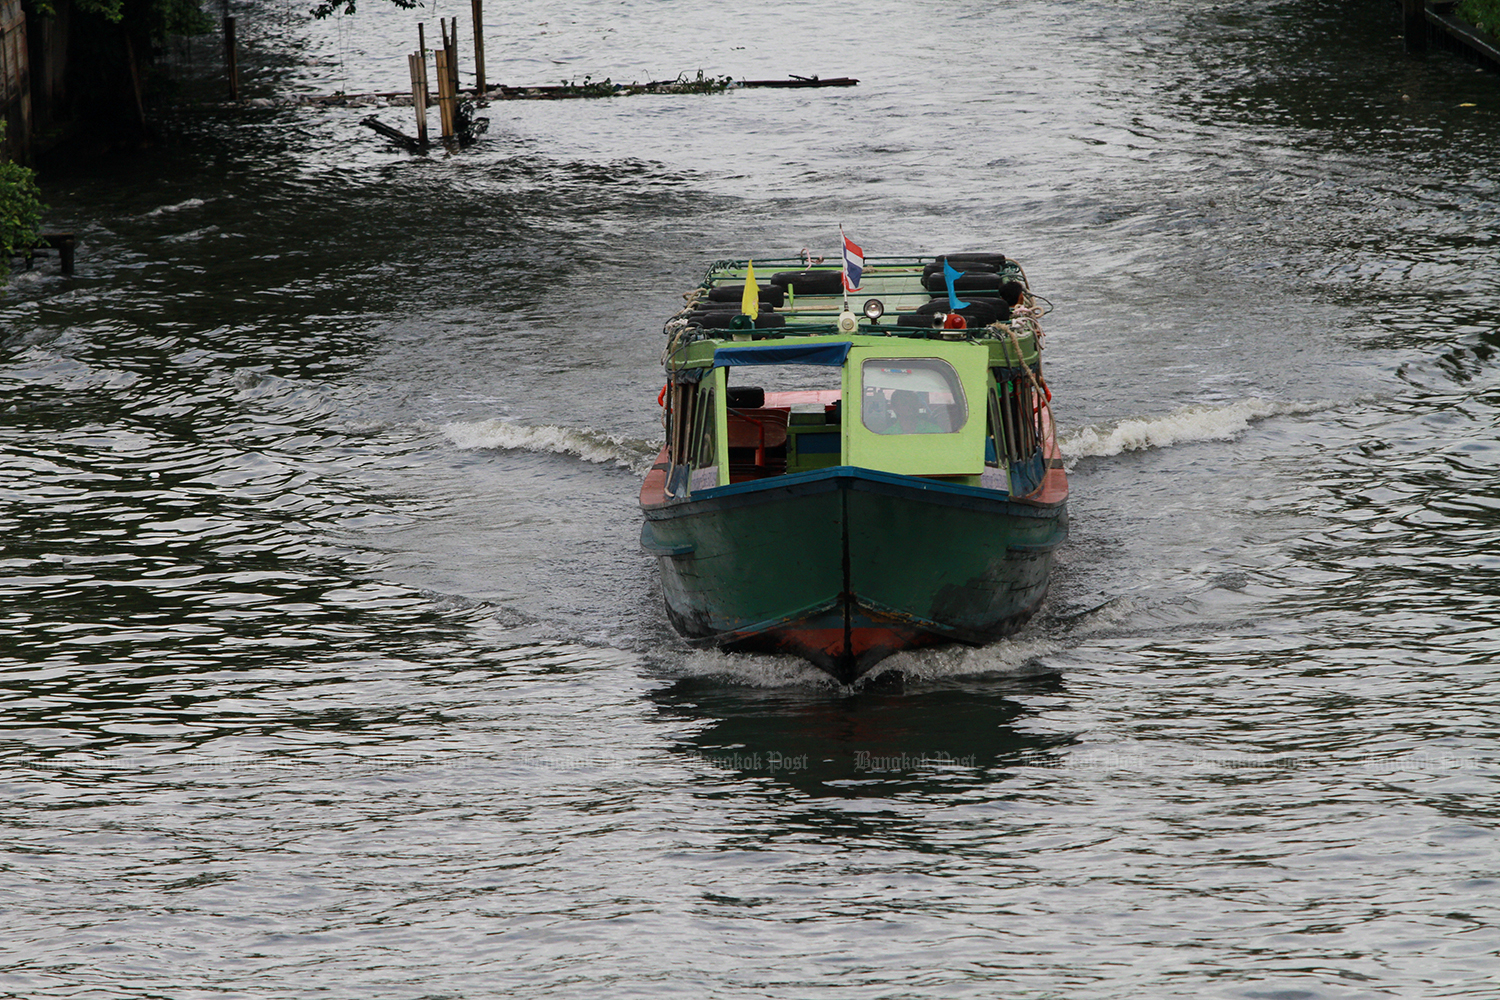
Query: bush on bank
x,y
20,213
1482,14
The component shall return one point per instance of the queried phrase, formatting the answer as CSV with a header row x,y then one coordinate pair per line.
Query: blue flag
x,y
952,276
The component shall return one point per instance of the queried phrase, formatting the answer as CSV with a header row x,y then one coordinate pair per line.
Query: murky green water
x,y
331,666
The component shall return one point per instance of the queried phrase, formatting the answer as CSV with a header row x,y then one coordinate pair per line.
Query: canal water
x,y
331,666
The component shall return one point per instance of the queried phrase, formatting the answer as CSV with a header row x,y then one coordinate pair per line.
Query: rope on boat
x,y
1030,315
677,324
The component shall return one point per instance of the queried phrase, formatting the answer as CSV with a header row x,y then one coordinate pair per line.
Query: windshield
x,y
912,396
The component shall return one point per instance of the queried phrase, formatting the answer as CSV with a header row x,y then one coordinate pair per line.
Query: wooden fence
x,y
15,81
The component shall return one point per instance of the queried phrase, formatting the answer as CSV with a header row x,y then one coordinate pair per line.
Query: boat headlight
x,y
847,322
874,309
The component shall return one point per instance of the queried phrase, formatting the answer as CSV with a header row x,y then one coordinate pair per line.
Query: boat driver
x,y
909,416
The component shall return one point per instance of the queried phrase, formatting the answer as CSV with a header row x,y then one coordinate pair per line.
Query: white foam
x,y
179,207
589,445
1181,426
1017,656
756,670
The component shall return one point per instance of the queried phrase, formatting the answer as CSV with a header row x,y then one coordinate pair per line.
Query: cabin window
x,y
690,425
788,421
682,398
912,396
702,430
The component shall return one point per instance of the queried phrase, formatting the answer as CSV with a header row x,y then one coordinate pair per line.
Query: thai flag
x,y
854,263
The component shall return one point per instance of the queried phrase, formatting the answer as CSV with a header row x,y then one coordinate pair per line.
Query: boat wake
x,y
590,445
1009,657
751,670
1018,655
1182,426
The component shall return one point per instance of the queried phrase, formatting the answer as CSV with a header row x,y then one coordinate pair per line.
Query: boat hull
x,y
845,566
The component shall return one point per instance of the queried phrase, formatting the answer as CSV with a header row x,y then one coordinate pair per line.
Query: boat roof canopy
x,y
829,354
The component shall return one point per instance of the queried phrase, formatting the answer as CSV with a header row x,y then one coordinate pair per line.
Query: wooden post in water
x,y
440,67
231,59
63,243
453,59
419,93
445,92
478,48
66,246
1414,24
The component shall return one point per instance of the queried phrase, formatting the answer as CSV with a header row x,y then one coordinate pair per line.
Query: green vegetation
x,y
20,213
1482,14
327,8
589,88
159,18
699,85
106,65
684,84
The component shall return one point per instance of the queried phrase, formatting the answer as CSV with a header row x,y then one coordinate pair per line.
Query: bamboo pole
x,y
446,45
422,47
453,59
479,87
419,94
445,93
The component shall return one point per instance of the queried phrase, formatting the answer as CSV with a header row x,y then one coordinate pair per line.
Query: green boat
x,y
841,484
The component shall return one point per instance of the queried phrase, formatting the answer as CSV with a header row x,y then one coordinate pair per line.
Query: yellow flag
x,y
750,301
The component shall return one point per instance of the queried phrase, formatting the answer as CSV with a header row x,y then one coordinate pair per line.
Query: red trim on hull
x,y
824,647
872,636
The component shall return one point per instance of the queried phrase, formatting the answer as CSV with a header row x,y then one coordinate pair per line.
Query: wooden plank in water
x,y
803,81
393,134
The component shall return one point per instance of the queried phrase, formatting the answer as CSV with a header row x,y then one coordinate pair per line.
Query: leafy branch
x,y
327,8
20,213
